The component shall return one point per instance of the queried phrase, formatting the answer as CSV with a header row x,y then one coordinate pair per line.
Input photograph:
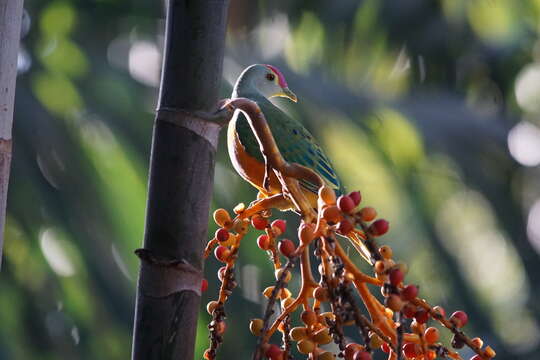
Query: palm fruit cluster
x,y
403,325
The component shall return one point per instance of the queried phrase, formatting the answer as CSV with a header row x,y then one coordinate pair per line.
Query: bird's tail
x,y
357,240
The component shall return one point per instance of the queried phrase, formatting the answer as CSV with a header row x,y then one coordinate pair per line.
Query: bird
x,y
260,83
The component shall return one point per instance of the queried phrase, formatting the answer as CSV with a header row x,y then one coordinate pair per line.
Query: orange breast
x,y
251,169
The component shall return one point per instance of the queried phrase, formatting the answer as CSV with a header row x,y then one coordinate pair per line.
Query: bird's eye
x,y
270,77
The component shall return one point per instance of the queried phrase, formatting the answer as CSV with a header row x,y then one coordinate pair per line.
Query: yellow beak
x,y
286,92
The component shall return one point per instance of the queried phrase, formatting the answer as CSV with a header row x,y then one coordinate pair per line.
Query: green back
x,y
293,140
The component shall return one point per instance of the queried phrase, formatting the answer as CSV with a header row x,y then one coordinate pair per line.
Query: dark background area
x,y
430,108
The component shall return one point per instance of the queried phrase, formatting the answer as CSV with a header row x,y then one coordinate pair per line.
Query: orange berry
x,y
326,315
431,335
285,293
368,214
379,267
255,326
327,195
222,218
268,292
489,352
431,355
411,350
306,233
211,306
309,317
221,327
287,302
332,214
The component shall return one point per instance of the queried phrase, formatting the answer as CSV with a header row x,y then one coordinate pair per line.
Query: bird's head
x,y
267,80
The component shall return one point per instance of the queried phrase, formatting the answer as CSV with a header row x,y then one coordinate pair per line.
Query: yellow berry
x,y
379,267
305,346
268,292
386,251
477,342
285,293
322,337
279,272
326,315
298,333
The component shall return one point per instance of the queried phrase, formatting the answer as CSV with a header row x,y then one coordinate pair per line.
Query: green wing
x,y
295,143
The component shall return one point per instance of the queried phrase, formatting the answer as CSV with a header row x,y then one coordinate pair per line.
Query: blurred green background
x,y
430,108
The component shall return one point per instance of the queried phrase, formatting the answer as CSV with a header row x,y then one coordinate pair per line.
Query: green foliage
x,y
413,101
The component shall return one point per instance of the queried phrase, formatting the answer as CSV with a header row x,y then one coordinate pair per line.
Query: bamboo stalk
x,y
180,181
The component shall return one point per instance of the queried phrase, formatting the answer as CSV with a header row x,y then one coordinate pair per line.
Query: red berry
x,y
204,285
280,224
440,310
385,348
286,247
344,227
259,222
396,277
476,357
273,352
221,273
356,197
409,310
351,349
362,355
379,227
222,235
409,292
459,319
263,242
421,316
411,350
222,253
345,204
